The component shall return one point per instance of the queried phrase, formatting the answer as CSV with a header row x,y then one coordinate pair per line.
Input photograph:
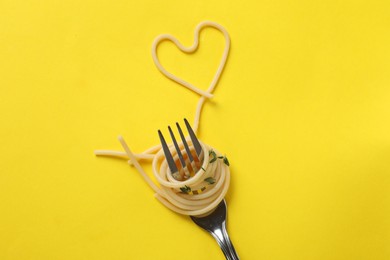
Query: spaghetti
x,y
203,191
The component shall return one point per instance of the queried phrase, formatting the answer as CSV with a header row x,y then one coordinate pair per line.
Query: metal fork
x,y
214,222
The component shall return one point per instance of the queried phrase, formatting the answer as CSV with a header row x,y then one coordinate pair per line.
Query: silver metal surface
x,y
181,159
167,153
183,139
194,140
215,224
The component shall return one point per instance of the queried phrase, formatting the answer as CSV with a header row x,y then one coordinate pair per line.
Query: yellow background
x,y
302,111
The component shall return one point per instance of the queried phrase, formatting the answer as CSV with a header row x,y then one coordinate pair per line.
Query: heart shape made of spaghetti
x,y
192,49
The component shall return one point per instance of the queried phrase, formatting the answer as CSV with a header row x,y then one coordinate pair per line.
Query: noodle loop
x,y
201,192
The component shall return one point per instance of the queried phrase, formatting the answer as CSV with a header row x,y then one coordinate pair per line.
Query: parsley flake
x,y
185,189
210,180
226,161
213,155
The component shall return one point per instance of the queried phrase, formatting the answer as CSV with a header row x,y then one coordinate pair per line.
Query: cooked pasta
x,y
206,188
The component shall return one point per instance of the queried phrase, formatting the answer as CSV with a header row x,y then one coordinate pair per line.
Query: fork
x,y
214,222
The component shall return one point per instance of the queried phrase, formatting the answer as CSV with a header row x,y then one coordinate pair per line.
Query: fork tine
x,y
183,163
171,163
188,151
194,140
183,139
181,158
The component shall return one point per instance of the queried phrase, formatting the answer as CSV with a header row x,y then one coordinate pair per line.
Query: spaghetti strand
x,y
208,186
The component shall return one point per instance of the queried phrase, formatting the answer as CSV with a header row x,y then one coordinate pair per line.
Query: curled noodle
x,y
203,195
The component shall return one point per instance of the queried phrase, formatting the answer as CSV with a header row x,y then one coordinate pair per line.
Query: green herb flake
x,y
226,161
210,180
220,157
185,189
203,169
213,160
213,155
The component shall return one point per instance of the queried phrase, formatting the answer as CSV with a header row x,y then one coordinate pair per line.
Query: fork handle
x,y
221,235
